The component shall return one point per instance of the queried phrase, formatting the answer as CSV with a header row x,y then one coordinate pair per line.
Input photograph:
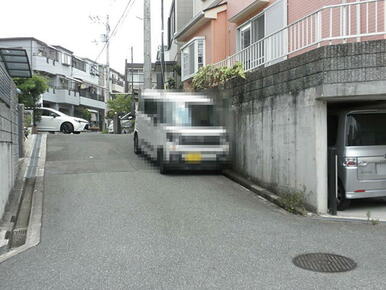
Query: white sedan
x,y
54,121
127,125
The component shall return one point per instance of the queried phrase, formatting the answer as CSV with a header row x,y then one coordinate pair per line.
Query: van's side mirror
x,y
155,119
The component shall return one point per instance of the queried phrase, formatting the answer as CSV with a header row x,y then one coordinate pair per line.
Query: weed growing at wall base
x,y
374,222
293,202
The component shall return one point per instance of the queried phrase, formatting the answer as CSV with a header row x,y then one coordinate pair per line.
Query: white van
x,y
180,131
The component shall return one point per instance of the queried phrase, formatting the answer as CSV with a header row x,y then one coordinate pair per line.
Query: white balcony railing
x,y
59,95
333,24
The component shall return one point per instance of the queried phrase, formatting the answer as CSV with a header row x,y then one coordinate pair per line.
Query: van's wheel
x,y
161,161
66,128
137,150
342,202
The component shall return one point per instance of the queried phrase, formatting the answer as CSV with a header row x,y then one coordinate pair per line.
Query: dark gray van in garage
x,y
359,136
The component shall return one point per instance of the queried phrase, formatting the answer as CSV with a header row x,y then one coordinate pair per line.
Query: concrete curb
x,y
35,219
259,190
327,217
275,199
16,194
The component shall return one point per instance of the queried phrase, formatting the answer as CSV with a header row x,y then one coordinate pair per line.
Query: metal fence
x,y
333,24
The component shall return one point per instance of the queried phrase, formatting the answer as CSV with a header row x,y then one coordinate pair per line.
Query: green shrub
x,y
210,76
27,120
171,84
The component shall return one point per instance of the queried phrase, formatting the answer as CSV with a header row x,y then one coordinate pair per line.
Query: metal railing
x,y
89,95
331,24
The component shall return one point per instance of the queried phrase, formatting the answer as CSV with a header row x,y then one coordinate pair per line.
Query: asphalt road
x,y
111,221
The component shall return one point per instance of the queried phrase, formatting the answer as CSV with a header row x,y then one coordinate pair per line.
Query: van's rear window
x,y
366,129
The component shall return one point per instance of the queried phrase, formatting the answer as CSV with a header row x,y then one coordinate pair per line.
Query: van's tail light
x,y
350,162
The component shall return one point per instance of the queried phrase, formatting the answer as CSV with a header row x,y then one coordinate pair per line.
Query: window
x,y
251,32
192,57
66,59
48,52
188,114
78,64
245,36
48,113
265,25
94,70
63,83
137,77
52,114
366,129
73,86
44,112
171,25
150,107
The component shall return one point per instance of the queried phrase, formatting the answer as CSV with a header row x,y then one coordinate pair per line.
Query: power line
x,y
123,16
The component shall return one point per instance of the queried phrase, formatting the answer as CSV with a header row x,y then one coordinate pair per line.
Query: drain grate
x,y
325,263
18,237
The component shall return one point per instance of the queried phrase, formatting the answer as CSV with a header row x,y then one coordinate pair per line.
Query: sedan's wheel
x,y
342,202
161,162
137,150
66,128
77,132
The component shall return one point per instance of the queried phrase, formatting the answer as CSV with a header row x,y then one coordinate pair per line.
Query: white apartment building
x,y
74,83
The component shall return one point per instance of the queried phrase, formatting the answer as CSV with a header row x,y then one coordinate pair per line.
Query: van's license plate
x,y
193,157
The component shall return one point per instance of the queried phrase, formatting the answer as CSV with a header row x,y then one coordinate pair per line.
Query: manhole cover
x,y
326,263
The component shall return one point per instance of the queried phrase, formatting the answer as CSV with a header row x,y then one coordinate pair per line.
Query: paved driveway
x,y
111,221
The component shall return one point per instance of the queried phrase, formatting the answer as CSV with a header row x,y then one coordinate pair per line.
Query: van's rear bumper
x,y
210,157
367,194
202,165
361,188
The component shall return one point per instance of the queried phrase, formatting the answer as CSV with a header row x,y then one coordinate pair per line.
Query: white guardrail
x,y
329,25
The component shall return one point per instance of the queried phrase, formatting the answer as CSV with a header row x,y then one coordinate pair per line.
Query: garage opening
x,y
356,133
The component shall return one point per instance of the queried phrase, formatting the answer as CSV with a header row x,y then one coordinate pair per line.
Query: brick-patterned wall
x,y
343,63
9,148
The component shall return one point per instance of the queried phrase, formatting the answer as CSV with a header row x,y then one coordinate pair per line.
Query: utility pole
x,y
132,73
147,45
126,78
162,47
107,58
132,82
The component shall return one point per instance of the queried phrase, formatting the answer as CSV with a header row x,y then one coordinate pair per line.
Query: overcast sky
x,y
67,23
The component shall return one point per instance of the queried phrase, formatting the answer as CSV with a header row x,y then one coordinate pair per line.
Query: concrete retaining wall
x,y
9,147
277,116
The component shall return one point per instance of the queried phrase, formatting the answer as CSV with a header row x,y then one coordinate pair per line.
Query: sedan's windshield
x,y
188,114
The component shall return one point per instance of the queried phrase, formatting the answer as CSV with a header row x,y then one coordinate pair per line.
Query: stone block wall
x,y
9,147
